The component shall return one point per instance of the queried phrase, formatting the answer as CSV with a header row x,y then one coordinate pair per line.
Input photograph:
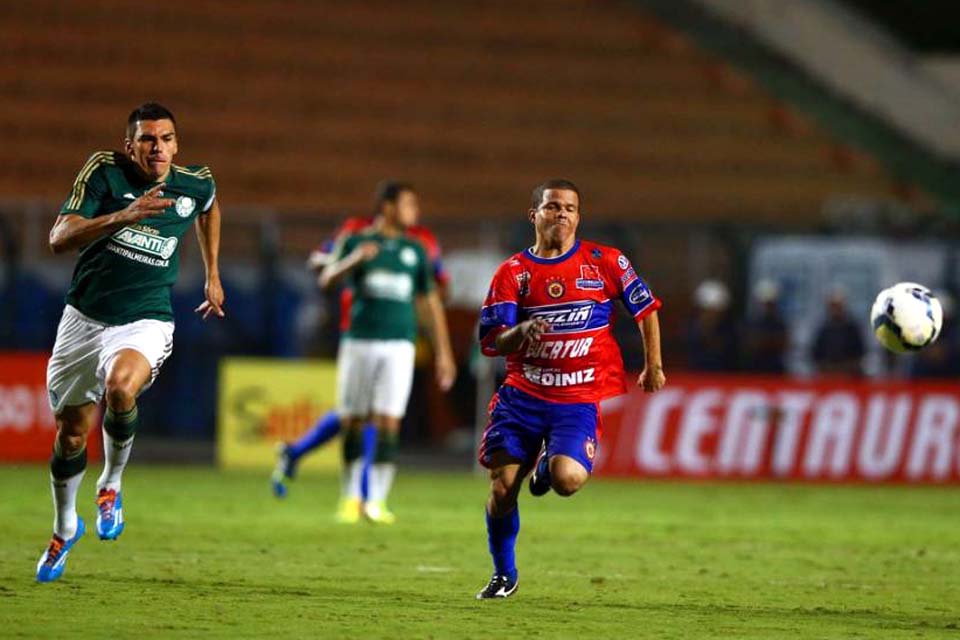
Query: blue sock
x,y
502,536
323,431
369,448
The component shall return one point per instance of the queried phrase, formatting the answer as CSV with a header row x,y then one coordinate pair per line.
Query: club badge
x,y
555,288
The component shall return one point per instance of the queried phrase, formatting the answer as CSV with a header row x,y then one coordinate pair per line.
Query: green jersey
x,y
127,275
385,288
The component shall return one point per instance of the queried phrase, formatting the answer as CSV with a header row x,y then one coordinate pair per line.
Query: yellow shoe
x,y
348,512
378,513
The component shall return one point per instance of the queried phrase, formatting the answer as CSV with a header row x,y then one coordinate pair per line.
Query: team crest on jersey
x,y
590,448
523,283
589,277
555,288
408,256
185,206
623,262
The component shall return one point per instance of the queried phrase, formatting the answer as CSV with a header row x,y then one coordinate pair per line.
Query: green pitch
x,y
208,554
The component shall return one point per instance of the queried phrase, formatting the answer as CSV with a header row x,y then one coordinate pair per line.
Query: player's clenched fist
x,y
533,330
652,378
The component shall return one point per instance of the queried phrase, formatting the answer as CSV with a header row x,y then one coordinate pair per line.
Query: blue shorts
x,y
520,423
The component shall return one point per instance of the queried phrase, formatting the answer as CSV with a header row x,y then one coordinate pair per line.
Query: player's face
x,y
557,217
406,210
152,148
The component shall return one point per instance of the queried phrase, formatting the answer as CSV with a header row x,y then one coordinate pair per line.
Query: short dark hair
x,y
389,191
147,111
554,183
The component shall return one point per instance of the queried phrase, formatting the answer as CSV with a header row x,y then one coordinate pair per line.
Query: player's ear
x,y
532,215
128,146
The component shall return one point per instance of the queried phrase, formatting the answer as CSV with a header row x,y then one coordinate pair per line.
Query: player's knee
x,y
121,392
71,442
568,483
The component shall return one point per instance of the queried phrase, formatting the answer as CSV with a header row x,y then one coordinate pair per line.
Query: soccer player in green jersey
x,y
126,214
392,281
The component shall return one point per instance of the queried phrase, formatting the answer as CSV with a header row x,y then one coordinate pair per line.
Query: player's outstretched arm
x,y
335,271
208,237
72,231
431,310
652,377
513,339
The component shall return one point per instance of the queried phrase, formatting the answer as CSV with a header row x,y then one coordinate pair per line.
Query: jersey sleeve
x,y
89,189
208,203
630,288
500,308
434,253
423,282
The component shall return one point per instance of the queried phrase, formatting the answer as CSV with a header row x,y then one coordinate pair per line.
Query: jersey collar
x,y
529,253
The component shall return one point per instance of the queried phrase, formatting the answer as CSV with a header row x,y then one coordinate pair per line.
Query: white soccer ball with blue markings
x,y
906,317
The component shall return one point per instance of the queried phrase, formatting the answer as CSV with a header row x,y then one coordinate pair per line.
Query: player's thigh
x,y
72,379
514,429
356,366
393,377
133,353
573,435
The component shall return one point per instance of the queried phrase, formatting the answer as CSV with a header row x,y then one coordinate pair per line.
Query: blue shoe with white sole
x,y
109,514
54,559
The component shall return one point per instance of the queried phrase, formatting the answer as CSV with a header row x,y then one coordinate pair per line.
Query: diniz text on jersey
x,y
556,378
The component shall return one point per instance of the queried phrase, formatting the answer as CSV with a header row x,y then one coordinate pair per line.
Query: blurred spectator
x,y
942,358
838,346
712,336
765,332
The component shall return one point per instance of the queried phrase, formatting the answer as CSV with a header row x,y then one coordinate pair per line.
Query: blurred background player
x,y
392,281
548,311
126,213
329,425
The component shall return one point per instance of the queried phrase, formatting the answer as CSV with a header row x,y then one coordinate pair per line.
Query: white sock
x,y
115,456
65,505
352,478
381,480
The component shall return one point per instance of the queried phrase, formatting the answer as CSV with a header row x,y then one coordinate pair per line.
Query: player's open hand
x,y
150,203
652,378
446,370
213,305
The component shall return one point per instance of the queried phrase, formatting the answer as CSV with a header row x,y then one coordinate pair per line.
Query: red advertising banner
x,y
27,428
758,428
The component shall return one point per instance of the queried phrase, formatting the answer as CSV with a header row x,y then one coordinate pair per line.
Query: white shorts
x,y
77,371
374,376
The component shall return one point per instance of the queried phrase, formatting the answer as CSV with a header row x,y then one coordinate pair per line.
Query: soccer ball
x,y
906,317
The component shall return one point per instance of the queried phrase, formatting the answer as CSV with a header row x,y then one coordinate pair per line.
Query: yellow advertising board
x,y
263,401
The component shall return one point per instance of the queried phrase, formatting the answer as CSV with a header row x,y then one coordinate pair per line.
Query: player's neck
x,y
388,228
550,248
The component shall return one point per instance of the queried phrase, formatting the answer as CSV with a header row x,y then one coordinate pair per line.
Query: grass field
x,y
209,554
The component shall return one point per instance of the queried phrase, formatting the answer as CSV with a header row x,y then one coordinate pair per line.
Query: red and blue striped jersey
x,y
577,359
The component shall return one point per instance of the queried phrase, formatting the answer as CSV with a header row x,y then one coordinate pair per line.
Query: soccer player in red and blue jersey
x,y
549,311
329,424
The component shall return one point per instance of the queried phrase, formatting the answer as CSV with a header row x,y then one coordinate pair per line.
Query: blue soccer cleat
x,y
540,478
109,514
283,471
500,586
54,559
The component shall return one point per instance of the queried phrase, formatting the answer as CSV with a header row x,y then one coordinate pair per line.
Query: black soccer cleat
x,y
540,478
500,586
